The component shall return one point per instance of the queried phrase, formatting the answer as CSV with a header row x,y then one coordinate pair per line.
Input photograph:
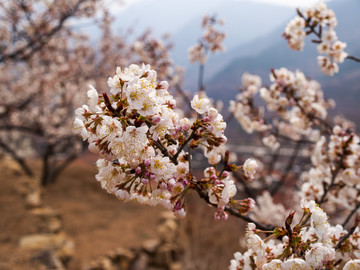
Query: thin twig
x,y
346,236
233,211
351,214
184,144
275,188
249,191
201,86
336,172
164,151
350,57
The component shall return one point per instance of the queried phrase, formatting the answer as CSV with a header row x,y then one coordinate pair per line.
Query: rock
x,y
103,263
168,228
54,224
122,257
50,220
66,252
48,260
44,212
43,241
33,199
164,256
61,244
151,245
175,266
168,231
141,262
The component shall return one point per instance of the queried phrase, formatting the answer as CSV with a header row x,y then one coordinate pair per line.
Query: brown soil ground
x,y
99,223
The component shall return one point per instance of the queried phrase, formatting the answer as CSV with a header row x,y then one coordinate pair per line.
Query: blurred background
x,y
54,214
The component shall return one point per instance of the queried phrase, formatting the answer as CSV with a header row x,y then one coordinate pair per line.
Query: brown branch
x,y
62,166
184,144
17,158
346,236
240,179
312,116
351,214
275,188
336,172
164,151
350,57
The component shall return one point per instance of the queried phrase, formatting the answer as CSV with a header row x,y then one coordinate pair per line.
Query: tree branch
x,y
37,43
350,57
275,188
17,158
336,172
346,236
232,211
351,214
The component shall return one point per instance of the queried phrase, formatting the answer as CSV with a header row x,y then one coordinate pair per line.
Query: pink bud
x,y
225,216
163,85
147,162
163,185
171,182
138,170
156,119
144,181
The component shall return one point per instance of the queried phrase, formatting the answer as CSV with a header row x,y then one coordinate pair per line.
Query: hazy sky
x,y
293,3
170,16
121,4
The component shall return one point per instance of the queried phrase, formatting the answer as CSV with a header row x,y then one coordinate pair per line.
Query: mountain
x,y
244,21
344,87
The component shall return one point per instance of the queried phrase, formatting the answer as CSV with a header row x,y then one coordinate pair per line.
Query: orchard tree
x,y
44,61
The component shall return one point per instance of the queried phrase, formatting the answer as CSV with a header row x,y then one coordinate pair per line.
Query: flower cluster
x,y
250,118
335,172
141,139
298,102
212,40
295,33
310,244
314,20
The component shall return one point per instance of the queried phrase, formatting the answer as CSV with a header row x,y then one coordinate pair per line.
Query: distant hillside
x,y
244,21
344,87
